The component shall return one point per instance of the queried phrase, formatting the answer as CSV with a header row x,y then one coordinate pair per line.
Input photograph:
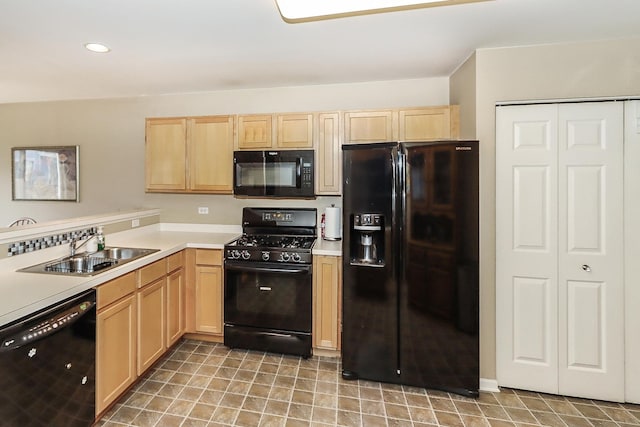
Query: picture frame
x,y
45,173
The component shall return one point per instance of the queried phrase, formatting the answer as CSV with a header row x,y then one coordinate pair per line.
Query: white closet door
x,y
559,249
632,250
591,282
526,247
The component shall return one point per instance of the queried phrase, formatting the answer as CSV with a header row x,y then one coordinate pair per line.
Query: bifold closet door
x,y
591,285
559,240
526,247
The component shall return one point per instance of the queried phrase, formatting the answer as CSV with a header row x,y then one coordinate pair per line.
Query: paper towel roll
x,y
332,223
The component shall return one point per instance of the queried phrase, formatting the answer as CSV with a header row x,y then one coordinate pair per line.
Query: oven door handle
x,y
252,269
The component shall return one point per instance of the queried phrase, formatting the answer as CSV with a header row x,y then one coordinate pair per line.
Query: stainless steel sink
x,y
88,264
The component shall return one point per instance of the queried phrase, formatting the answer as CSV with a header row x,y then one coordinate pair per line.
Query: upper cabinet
x,y
211,154
423,124
415,124
294,130
255,132
328,155
195,154
189,154
275,131
165,154
370,126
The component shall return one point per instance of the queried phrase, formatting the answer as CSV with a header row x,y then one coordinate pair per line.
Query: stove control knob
x,y
285,256
246,255
235,254
295,257
265,256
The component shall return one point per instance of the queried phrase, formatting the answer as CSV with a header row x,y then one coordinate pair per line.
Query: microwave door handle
x,y
251,269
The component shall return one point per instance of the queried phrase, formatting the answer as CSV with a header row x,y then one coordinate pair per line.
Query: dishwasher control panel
x,y
29,333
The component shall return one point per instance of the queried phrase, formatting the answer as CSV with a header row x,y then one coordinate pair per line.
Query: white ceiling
x,y
180,46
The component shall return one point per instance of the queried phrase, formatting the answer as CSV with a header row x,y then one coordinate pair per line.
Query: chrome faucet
x,y
72,245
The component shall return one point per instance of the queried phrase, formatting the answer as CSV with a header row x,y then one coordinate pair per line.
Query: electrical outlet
x,y
203,210
135,223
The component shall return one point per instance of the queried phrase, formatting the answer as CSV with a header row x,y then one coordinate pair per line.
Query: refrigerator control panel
x,y
367,221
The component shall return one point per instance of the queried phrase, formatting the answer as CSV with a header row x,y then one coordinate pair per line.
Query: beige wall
x,y
110,134
581,70
462,92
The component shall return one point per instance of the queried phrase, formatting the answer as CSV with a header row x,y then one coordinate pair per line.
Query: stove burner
x,y
288,242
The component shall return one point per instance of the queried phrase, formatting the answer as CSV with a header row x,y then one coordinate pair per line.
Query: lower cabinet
x,y
327,307
140,315
175,298
205,291
115,339
151,324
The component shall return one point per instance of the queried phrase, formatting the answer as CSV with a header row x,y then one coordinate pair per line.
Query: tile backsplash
x,y
44,242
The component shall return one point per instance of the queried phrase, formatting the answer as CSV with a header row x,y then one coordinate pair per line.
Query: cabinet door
x,y
208,299
329,169
115,351
423,124
211,154
165,154
295,131
370,126
175,306
151,324
254,132
327,280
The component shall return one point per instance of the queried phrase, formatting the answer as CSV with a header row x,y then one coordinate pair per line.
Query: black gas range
x,y
271,248
268,282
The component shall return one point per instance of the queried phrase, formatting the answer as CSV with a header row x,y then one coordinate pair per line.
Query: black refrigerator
x,y
410,264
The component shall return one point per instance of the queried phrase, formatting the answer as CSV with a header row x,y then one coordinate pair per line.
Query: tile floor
x,y
206,384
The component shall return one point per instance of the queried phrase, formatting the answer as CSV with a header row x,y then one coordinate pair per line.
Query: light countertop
x,y
24,293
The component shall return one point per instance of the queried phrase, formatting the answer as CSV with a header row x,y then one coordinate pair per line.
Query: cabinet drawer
x,y
116,289
175,261
208,257
152,272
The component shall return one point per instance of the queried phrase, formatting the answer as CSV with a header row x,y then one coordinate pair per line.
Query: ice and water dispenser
x,y
367,239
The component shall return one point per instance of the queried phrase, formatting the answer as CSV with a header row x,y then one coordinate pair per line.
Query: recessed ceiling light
x,y
97,47
309,10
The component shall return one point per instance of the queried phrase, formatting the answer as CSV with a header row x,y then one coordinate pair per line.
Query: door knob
x,y
586,268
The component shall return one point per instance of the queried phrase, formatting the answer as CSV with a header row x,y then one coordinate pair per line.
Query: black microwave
x,y
286,173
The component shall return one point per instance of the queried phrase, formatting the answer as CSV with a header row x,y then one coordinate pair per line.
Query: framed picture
x,y
45,173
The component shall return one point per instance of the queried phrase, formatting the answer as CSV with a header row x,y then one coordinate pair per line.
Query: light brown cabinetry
x,y
115,339
205,292
165,154
370,126
189,154
327,309
329,154
294,130
423,124
407,124
175,298
210,148
255,132
140,315
151,305
275,131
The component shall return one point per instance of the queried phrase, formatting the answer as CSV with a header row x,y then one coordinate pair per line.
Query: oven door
x,y
268,295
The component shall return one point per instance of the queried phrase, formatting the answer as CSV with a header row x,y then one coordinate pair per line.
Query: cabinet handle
x,y
586,268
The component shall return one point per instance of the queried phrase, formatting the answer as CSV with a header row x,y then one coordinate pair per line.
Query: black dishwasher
x,y
47,366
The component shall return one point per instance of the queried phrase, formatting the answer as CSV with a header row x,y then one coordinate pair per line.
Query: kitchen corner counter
x,y
24,293
327,247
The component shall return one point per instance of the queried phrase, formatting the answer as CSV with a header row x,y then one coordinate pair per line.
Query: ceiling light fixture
x,y
97,47
311,10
